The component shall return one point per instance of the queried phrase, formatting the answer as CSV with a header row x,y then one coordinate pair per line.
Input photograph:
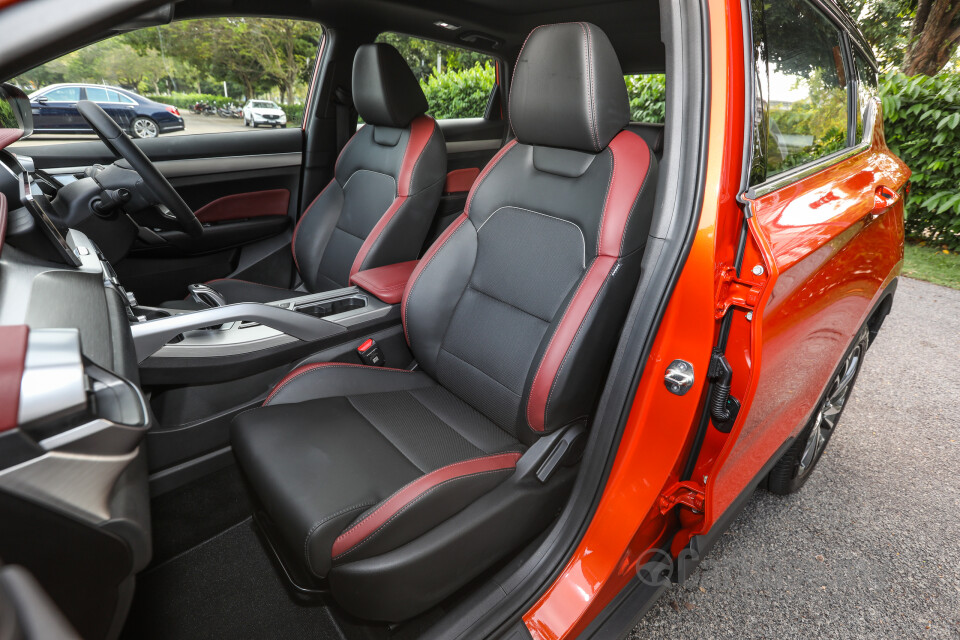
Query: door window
x,y
866,91
201,72
99,94
457,82
802,87
63,94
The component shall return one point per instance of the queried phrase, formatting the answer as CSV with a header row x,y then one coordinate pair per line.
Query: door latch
x,y
679,377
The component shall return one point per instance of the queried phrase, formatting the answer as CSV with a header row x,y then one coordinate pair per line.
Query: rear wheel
x,y
796,465
144,127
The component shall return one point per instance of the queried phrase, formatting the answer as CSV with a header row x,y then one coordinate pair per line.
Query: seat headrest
x,y
385,91
568,89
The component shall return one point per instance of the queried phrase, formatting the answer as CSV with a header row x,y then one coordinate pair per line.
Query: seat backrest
x,y
387,181
518,305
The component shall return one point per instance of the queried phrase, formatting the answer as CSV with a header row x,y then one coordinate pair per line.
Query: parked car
x,y
55,110
511,376
263,112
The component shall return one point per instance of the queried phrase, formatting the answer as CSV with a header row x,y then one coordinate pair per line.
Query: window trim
x,y
802,171
798,173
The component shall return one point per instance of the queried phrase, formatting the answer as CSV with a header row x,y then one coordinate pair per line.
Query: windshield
x,y
261,104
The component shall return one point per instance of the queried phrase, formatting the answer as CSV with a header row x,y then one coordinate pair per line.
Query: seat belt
x,y
345,116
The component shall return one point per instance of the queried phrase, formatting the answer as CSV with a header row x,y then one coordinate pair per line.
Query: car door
x,y
826,199
56,110
109,100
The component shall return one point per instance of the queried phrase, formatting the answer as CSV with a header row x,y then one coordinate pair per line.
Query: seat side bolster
x,y
333,379
621,231
422,504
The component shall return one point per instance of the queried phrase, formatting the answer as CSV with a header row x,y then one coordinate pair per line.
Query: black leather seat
x,y
398,487
387,184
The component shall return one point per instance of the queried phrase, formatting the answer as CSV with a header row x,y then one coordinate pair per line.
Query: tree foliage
x,y
422,55
922,126
647,94
252,55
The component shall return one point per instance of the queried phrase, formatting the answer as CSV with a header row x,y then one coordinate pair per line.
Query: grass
x,y
932,264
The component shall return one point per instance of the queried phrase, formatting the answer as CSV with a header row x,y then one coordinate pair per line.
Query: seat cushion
x,y
344,477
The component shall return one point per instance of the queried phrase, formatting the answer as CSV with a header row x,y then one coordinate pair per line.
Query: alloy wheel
x,y
145,128
828,414
793,469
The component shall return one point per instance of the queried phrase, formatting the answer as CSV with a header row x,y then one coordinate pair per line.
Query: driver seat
x,y
396,487
386,188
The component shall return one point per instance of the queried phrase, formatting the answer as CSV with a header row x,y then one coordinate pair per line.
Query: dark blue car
x,y
55,110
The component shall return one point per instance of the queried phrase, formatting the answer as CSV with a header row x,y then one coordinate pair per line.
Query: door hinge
x,y
687,494
734,291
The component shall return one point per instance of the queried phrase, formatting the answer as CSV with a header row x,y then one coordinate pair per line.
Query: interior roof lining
x,y
636,38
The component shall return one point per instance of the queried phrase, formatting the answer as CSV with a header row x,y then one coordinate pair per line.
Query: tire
x,y
246,122
144,127
795,467
255,125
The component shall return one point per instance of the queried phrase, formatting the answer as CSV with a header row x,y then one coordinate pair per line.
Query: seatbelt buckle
x,y
370,353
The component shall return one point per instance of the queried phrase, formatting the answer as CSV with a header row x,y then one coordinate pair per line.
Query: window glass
x,y
63,94
99,94
802,86
457,82
201,68
866,90
647,93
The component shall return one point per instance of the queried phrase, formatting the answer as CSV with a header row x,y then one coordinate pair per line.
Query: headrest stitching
x,y
593,87
513,75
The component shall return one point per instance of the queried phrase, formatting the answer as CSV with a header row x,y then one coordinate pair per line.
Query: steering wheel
x,y
123,147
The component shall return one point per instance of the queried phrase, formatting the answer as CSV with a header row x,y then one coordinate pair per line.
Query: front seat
x,y
386,188
397,487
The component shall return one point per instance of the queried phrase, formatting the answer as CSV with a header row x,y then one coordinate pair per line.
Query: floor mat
x,y
226,587
197,511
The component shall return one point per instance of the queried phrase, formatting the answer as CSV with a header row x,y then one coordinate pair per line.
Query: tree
x,y
934,36
918,36
288,48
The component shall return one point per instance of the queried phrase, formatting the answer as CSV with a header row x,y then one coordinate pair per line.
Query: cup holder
x,y
332,307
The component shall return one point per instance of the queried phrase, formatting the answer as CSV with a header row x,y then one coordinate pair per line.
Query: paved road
x,y
870,547
194,124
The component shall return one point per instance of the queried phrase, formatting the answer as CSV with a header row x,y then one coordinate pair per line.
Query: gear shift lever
x,y
204,295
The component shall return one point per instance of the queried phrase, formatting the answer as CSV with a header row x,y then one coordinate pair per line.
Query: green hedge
x,y
922,126
459,94
464,94
187,100
648,95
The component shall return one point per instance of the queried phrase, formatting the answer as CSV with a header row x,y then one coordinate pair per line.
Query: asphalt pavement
x,y
870,547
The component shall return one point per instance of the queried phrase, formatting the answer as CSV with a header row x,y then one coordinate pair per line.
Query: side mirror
x,y
43,99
